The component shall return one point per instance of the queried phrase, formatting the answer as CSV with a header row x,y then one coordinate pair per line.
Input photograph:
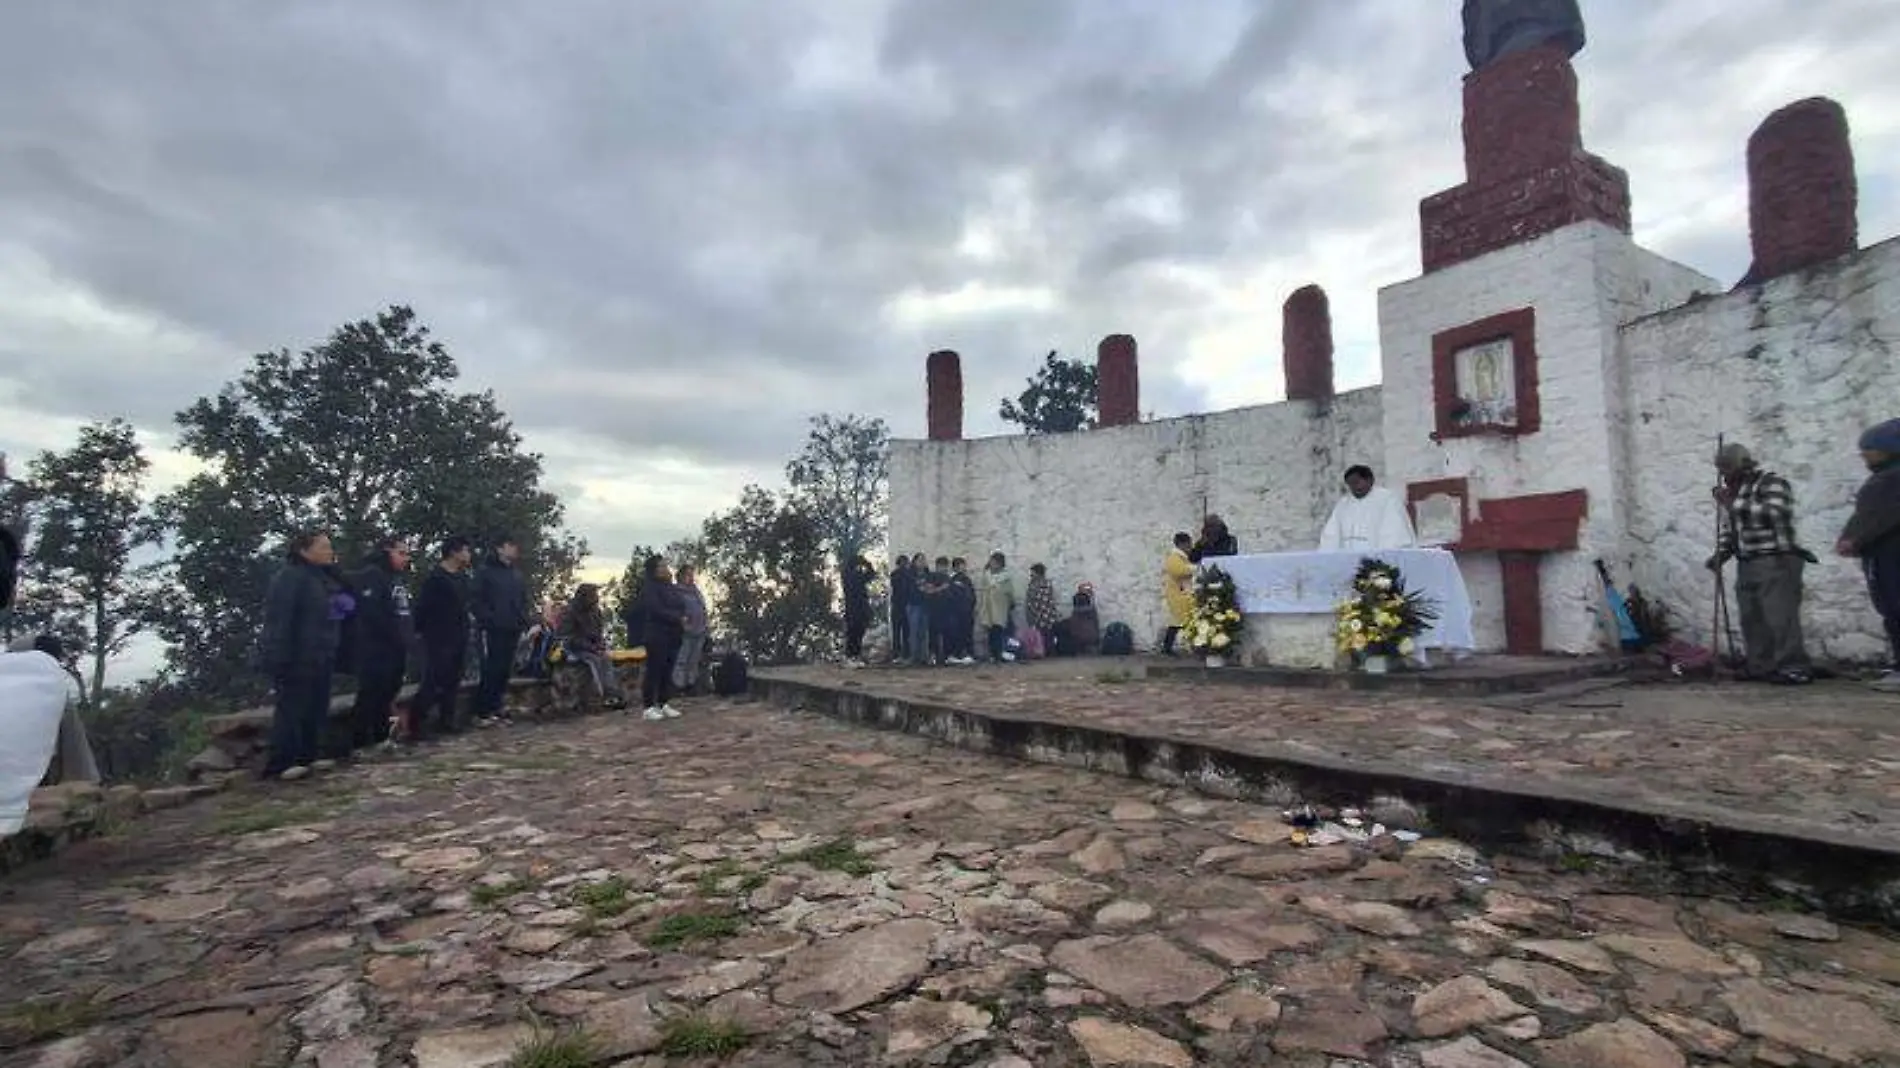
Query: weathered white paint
x,y
1100,506
1632,395
1794,369
1583,282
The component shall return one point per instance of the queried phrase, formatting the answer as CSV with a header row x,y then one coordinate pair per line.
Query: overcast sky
x,y
666,232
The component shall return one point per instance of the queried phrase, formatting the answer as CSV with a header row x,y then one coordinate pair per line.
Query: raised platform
x,y
1785,791
1478,676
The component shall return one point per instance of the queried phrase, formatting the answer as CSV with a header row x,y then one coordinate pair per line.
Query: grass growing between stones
x,y
557,1049
698,1035
41,1021
486,895
686,928
270,816
839,854
603,899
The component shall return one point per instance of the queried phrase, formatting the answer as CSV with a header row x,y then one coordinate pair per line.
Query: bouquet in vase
x,y
1214,628
1380,617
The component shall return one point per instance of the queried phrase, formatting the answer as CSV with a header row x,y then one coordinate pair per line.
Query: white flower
x,y
1221,641
1383,582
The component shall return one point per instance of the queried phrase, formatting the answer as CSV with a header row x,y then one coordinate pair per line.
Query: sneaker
x,y
323,765
1887,683
669,712
292,774
1791,678
653,715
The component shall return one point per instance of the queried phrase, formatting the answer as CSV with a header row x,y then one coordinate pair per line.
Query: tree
x,y
767,558
88,523
623,593
842,480
361,435
1061,397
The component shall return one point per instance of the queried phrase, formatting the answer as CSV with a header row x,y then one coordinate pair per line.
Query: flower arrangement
x,y
1214,628
1380,618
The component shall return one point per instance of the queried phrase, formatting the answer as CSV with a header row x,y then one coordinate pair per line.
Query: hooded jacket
x,y
301,630
499,600
385,625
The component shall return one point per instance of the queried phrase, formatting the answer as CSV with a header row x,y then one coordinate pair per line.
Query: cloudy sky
x,y
666,232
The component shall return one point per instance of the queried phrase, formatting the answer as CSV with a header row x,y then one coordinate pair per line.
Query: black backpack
x,y
1118,640
729,678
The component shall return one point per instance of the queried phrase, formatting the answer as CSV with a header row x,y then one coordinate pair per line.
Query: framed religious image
x,y
1484,377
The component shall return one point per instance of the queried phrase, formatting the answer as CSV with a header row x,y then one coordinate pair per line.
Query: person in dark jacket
x,y
1215,540
298,650
1872,534
903,591
857,579
441,617
664,612
583,631
962,591
499,603
384,631
939,612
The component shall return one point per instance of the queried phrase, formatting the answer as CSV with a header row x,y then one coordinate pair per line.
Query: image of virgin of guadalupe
x,y
1498,28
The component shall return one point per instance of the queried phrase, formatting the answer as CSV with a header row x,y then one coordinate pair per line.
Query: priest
x,y
1369,518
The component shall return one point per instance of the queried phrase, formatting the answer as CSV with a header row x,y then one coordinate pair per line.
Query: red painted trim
x,y
1459,488
1539,523
1523,603
1521,327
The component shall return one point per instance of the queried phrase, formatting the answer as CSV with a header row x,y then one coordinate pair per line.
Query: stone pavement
x,y
1821,761
789,891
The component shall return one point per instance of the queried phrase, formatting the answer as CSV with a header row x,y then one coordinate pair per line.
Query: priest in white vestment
x,y
1367,519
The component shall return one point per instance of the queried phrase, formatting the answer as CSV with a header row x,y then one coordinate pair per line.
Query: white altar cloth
x,y
1312,583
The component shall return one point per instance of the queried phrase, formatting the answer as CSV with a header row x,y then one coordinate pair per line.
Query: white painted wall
x,y
1633,397
1584,281
1100,506
1794,370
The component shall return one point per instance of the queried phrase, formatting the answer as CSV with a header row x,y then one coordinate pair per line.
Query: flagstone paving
x,y
1824,756
795,892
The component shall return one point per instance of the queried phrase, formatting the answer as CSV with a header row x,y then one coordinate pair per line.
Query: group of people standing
x,y
321,620
938,609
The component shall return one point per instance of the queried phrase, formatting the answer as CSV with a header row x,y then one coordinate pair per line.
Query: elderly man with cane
x,y
1757,531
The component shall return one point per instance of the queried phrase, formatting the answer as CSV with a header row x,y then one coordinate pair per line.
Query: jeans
x,y
686,670
917,629
498,663
603,671
998,637
377,685
441,684
297,721
1768,602
656,681
900,631
1882,566
854,628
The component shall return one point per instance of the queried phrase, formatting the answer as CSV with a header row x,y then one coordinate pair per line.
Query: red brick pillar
x,y
943,379
1521,115
1802,195
1306,344
1117,381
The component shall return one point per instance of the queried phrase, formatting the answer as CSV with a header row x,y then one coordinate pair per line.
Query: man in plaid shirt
x,y
1757,531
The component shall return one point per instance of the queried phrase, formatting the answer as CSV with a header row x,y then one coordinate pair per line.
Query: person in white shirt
x,y
1367,519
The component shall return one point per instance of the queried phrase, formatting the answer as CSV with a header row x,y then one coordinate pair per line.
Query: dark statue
x,y
1497,28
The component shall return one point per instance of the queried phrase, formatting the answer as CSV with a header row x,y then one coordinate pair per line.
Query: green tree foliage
x,y
88,522
362,435
767,559
1060,398
841,478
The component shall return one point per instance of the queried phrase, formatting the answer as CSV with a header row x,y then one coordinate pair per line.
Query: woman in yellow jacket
x,y
1177,590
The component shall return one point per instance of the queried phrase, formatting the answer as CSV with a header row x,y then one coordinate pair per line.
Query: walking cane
x,y
1720,607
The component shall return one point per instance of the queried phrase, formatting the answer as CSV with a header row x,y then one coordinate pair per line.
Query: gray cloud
x,y
674,231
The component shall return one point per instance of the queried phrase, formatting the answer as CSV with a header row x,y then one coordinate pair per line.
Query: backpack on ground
x,y
730,678
1118,640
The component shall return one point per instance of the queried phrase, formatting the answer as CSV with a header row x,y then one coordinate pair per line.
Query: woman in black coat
x,y
303,612
664,612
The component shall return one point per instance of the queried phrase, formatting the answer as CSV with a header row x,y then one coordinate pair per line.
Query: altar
x,y
1288,600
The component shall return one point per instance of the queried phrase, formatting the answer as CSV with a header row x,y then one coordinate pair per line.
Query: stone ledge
x,y
1854,875
58,816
